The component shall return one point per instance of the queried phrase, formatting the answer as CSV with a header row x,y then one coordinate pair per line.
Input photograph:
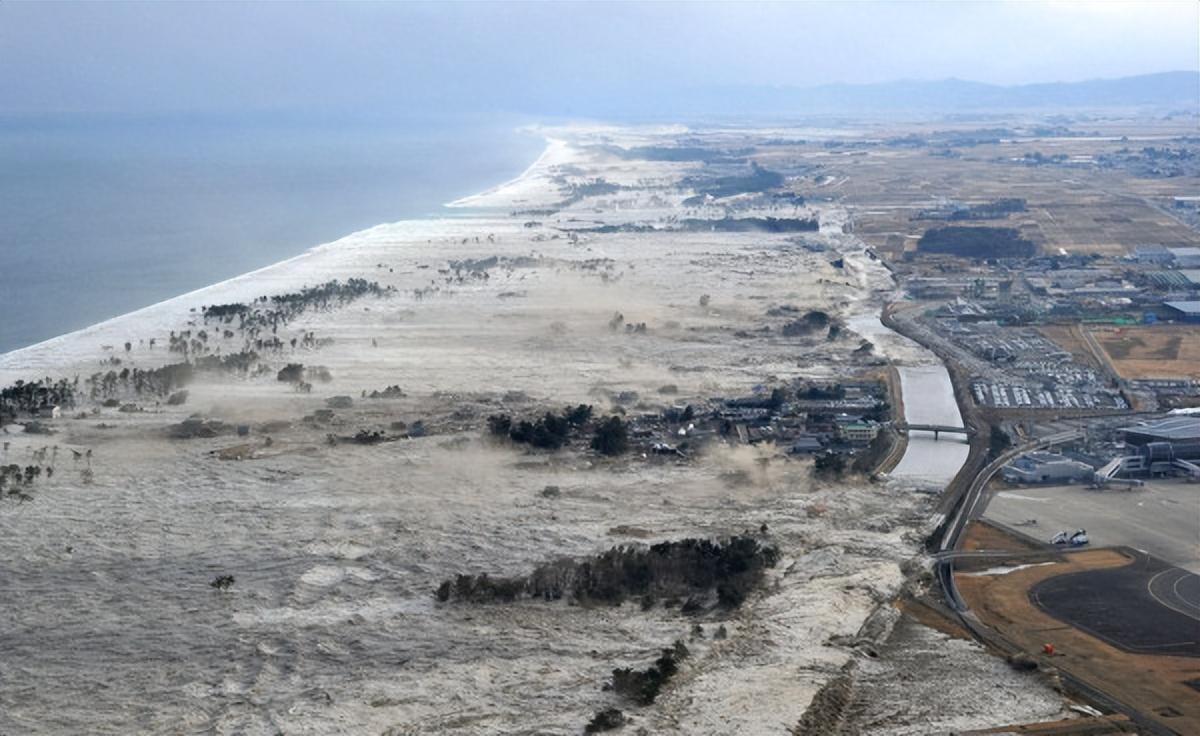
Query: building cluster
x,y
989,312
1016,367
841,418
1155,283
1168,446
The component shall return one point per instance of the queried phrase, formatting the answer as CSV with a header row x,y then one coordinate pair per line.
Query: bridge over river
x,y
937,429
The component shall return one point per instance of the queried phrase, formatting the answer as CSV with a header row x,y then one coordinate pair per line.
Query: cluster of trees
x,y
757,180
866,461
681,153
369,437
166,379
473,264
239,362
155,381
632,328
273,311
224,312
390,392
772,402
729,224
608,719
482,588
995,209
698,569
830,466
809,323
298,374
611,437
14,475
184,343
998,442
592,188
976,242
291,373
643,686
1173,154
549,432
554,431
30,396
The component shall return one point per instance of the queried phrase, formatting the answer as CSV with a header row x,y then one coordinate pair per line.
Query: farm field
x,y
1152,351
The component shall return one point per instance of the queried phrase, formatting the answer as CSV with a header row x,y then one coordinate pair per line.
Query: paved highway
x,y
970,509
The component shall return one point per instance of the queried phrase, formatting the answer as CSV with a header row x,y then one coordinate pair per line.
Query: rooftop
x,y
1186,307
1171,428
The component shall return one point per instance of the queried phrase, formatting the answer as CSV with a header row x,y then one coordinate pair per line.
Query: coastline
x,y
107,226
328,507
554,153
924,462
31,359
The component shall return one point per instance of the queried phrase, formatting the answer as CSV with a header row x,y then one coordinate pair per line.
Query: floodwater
x,y
111,625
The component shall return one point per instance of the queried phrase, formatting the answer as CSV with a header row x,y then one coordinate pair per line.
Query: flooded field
x,y
338,514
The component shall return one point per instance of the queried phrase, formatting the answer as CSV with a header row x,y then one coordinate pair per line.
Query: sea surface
x,y
100,217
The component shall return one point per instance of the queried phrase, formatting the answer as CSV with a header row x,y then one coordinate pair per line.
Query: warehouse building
x,y
1184,311
1153,254
1188,257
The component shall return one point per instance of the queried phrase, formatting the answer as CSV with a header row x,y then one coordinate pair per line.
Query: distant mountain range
x,y
1178,90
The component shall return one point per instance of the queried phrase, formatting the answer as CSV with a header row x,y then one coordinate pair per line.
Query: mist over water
x,y
101,217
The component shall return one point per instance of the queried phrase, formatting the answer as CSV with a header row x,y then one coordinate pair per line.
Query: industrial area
x,y
1072,536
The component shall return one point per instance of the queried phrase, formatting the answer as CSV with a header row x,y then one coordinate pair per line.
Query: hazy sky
x,y
548,57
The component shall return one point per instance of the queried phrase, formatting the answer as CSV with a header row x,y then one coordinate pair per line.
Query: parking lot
x,y
1162,517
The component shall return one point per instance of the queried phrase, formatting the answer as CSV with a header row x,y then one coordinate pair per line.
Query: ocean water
x,y
101,217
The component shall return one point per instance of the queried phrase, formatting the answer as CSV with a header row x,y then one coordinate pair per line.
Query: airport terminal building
x,y
1165,439
1045,467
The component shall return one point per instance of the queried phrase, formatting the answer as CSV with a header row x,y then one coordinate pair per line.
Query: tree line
x,y
698,569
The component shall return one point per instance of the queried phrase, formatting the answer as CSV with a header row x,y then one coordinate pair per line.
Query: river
x,y
929,399
925,386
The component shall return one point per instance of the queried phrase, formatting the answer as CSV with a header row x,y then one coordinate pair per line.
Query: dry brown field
x,y
1077,208
1152,351
1155,685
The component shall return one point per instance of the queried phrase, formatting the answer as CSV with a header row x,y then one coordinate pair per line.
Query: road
x,y
970,508
1172,590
